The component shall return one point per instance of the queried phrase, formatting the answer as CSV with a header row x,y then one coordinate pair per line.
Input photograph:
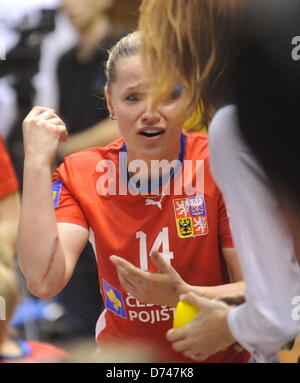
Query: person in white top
x,y
262,239
201,44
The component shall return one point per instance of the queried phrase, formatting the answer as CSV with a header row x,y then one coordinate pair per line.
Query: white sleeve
x,y
265,322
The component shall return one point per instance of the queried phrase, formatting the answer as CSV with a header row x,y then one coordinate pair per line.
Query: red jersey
x,y
8,180
189,231
36,352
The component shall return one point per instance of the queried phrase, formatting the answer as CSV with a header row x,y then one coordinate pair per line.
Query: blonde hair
x,y
9,291
128,46
9,286
190,37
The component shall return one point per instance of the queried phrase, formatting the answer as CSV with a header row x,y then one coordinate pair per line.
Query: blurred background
x,y
53,54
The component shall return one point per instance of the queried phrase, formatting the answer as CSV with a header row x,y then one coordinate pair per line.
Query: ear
x,y
109,100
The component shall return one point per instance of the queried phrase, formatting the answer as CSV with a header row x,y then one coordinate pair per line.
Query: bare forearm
x,y
99,134
214,292
40,253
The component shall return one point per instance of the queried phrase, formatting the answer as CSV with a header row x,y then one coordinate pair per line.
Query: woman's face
x,y
83,12
149,134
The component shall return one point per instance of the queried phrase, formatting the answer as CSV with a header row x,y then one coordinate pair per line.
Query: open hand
x,y
160,288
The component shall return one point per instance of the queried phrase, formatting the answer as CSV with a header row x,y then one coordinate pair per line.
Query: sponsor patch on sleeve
x,y
114,300
56,188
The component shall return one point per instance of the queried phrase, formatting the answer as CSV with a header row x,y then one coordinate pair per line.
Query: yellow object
x,y
112,297
290,356
184,313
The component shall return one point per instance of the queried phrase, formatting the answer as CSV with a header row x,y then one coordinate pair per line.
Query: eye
x,y
133,97
176,92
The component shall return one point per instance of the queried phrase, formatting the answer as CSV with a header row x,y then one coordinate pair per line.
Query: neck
x,y
91,36
149,168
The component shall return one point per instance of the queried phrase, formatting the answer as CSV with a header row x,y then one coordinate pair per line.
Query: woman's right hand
x,y
42,131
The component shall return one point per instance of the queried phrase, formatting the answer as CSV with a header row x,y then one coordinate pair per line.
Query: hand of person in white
x,y
207,334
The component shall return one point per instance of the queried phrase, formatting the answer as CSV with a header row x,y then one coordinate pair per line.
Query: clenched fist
x,y
42,131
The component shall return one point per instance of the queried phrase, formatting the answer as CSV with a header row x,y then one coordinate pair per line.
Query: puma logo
x,y
150,202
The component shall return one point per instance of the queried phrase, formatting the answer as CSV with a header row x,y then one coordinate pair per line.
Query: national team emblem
x,y
114,300
56,188
191,219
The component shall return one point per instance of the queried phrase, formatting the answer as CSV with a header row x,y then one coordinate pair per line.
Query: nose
x,y
150,116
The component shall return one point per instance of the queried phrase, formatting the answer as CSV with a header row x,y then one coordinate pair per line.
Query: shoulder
x,y
196,145
2,149
3,152
197,150
8,179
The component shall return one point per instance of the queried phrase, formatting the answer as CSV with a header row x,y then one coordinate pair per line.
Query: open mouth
x,y
151,132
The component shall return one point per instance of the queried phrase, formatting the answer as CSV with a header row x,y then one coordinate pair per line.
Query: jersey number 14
x,y
160,244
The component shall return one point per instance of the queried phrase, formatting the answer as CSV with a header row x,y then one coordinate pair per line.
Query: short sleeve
x,y
224,232
8,180
67,208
